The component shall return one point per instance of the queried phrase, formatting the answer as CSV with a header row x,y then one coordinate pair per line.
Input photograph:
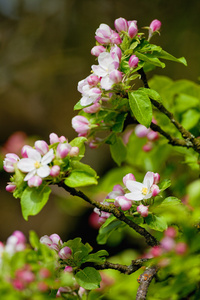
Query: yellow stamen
x,y
144,191
37,165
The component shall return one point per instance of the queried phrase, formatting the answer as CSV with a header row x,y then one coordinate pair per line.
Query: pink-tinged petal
x,y
33,154
148,179
53,138
47,158
134,185
45,240
26,165
30,175
137,196
99,71
43,171
106,83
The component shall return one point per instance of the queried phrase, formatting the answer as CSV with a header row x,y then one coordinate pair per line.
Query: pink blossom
x,y
147,147
167,243
35,181
132,29
65,253
152,135
96,50
123,202
128,176
115,76
171,232
10,160
11,187
92,108
63,149
115,38
141,131
54,138
74,152
155,190
20,236
115,50
133,61
156,251
53,241
121,24
42,147
93,80
181,248
156,178
143,210
155,25
81,125
55,171
24,150
68,269
90,95
103,34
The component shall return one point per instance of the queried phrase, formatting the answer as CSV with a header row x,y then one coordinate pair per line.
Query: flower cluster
x,y
38,163
143,132
113,75
126,197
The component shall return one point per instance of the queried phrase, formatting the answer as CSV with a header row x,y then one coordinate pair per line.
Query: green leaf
x,y
98,257
81,175
156,222
170,201
150,58
78,106
183,102
89,278
141,107
118,151
107,229
164,184
165,55
33,200
80,143
152,94
190,119
34,240
119,122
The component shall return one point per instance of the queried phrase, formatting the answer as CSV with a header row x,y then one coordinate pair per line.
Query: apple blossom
x,y
133,61
128,176
53,241
123,202
140,191
143,210
115,50
121,24
63,149
92,108
132,29
24,150
35,181
90,95
55,171
54,138
9,161
155,25
155,190
167,243
11,187
42,147
93,80
74,151
35,164
96,50
65,253
81,125
103,34
141,131
115,38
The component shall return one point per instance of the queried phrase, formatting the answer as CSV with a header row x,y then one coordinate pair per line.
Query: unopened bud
x,y
132,30
155,25
41,147
128,176
133,61
155,190
55,171
35,181
143,210
65,253
96,50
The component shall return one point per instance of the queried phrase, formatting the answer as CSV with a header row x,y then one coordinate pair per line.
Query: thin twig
x,y
150,239
144,281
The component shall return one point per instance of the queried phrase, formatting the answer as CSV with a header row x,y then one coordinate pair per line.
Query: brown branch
x,y
133,267
144,281
150,239
189,138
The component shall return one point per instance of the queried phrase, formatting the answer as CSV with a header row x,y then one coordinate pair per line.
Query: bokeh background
x,y
44,51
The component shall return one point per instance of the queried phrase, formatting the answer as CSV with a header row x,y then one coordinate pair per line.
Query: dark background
x,y
44,51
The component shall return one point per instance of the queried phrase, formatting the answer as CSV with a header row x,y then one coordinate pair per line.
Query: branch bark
x,y
150,239
145,280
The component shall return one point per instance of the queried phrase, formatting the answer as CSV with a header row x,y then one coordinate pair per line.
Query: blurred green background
x,y
44,51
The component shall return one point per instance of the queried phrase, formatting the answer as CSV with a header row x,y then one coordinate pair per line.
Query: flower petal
x,y
26,165
137,196
47,158
33,154
134,186
30,175
148,179
43,171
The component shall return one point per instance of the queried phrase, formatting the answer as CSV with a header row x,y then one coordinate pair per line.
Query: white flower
x,y
140,191
35,164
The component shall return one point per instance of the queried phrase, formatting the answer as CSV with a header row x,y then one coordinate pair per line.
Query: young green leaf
x,y
156,222
151,94
106,230
165,55
150,58
33,200
118,151
89,278
141,107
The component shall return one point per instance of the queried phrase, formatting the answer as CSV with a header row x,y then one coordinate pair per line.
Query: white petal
x,y
99,71
148,179
134,196
47,158
26,165
44,171
33,154
86,101
30,175
134,185
106,83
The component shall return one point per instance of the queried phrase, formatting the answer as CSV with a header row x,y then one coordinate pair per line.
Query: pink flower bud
x,y
92,108
41,147
123,202
118,188
55,171
18,284
132,30
133,61
55,238
156,178
62,150
96,50
62,139
81,292
24,151
11,187
9,161
81,125
116,51
35,181
147,147
171,232
68,269
115,38
181,248
93,80
65,253
44,273
141,131
143,210
42,286
155,25
54,138
74,152
20,237
156,251
167,243
152,135
128,176
103,34
26,276
155,190
115,76
121,24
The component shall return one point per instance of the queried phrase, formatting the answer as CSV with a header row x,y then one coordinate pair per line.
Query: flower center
x,y
144,191
37,165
